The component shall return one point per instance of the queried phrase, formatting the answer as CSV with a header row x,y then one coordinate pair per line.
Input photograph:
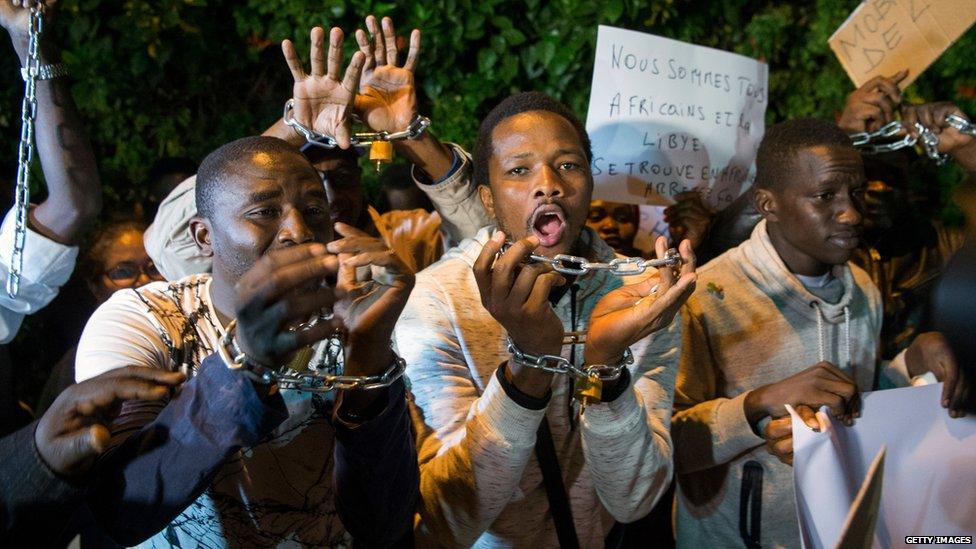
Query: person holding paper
x,y
784,318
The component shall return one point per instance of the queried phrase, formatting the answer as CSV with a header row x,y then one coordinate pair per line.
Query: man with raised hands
x,y
233,459
508,457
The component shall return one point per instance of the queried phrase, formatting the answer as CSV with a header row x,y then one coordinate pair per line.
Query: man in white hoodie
x,y
784,318
478,409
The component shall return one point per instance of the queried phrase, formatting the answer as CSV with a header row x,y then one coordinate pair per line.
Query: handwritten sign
x,y
882,37
667,117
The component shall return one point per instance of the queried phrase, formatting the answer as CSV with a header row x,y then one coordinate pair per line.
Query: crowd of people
x,y
275,362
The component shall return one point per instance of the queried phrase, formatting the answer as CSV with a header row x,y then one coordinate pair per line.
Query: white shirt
x,y
47,266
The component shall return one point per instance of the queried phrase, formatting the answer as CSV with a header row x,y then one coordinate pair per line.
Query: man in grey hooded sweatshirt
x,y
784,318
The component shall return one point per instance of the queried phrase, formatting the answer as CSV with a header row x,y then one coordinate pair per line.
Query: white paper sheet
x,y
929,481
667,117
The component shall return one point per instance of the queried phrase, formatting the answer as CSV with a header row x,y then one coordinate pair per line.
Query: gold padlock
x,y
589,390
380,152
299,361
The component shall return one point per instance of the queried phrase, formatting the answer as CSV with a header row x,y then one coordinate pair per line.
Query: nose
x,y
548,184
293,229
850,213
609,225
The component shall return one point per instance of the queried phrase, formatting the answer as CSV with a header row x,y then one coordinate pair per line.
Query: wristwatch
x,y
47,72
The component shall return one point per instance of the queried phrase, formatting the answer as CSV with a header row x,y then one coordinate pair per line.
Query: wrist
x,y
754,406
966,157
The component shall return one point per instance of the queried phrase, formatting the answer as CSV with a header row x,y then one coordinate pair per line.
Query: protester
x,y
54,226
45,466
616,224
386,102
231,459
784,318
480,412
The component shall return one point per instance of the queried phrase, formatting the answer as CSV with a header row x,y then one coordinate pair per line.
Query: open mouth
x,y
549,224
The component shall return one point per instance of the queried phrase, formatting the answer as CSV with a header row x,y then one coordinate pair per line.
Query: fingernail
x,y
317,249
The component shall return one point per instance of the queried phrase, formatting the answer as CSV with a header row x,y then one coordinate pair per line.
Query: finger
x,y
539,297
354,71
834,371
316,53
154,375
781,447
287,278
505,268
883,102
949,383
301,306
666,273
926,117
688,257
389,36
364,46
379,47
809,417
778,428
334,67
889,87
899,76
79,447
294,62
414,52
483,264
525,282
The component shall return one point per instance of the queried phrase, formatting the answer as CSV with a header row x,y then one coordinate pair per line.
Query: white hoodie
x,y
479,480
749,323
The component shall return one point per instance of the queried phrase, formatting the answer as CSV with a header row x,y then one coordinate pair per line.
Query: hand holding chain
x,y
418,125
865,141
312,379
629,266
25,152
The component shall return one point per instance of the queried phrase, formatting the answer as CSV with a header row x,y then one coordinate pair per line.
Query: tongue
x,y
548,225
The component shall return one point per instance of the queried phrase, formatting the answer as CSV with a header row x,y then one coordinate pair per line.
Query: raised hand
x,y
15,14
517,296
366,308
73,432
387,99
872,105
322,101
689,218
632,312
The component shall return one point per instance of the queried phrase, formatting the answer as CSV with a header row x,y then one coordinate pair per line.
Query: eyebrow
x,y
261,196
317,193
527,154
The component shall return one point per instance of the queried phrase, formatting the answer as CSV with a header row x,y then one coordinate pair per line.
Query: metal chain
x,y
555,364
25,153
866,141
418,125
314,380
629,266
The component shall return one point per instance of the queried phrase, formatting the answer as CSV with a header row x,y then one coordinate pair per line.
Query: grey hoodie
x,y
750,323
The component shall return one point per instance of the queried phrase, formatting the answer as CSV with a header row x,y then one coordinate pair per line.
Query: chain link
x,y
628,266
25,152
866,141
418,125
555,364
314,380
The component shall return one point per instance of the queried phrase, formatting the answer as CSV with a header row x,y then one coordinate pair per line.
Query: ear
x,y
765,202
484,192
200,230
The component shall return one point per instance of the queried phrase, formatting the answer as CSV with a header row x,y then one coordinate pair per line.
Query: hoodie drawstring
x,y
822,335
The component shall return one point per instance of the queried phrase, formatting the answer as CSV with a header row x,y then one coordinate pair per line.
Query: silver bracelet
x,y
45,72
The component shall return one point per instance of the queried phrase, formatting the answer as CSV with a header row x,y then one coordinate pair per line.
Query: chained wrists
x,y
868,142
307,380
418,125
556,364
629,266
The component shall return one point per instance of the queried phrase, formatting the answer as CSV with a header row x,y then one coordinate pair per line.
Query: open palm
x,y
387,98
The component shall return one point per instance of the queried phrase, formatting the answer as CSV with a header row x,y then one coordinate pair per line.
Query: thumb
x,y
75,451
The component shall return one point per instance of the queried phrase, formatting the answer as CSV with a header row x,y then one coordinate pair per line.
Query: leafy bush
x,y
180,77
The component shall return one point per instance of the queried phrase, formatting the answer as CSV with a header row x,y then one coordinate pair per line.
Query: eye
x,y
265,213
568,166
826,197
596,215
315,210
518,170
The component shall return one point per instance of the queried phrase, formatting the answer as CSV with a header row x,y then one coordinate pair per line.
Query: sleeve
x,y
627,442
47,266
160,460
472,450
376,473
456,198
168,241
706,431
32,494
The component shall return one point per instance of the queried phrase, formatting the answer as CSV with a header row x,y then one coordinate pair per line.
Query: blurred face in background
x,y
615,222
119,260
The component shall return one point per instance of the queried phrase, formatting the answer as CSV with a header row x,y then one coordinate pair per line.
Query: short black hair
x,y
518,104
216,165
782,142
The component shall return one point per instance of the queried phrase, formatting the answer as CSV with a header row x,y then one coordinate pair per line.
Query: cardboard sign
x,y
882,37
667,117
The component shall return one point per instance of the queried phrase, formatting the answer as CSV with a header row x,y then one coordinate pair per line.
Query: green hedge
x,y
179,77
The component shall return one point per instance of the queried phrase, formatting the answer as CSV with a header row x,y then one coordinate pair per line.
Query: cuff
x,y
391,402
613,418
732,431
46,262
520,398
506,419
21,466
423,178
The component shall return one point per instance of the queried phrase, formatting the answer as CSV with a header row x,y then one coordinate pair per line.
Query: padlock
x,y
380,152
589,390
300,360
